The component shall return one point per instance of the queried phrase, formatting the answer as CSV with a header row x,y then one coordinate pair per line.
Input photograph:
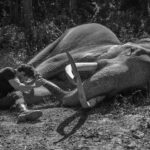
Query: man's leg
x,y
16,98
7,102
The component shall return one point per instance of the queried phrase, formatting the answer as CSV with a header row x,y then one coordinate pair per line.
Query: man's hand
x,y
39,82
38,76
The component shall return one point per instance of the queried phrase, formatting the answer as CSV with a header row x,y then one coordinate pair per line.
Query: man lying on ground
x,y
13,83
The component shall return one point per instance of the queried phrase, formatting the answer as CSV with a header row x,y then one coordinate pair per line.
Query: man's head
x,y
25,72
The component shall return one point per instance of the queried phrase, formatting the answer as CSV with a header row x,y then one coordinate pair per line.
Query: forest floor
x,y
122,123
108,126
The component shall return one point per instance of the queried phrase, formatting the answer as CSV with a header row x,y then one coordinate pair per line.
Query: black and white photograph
x,y
74,74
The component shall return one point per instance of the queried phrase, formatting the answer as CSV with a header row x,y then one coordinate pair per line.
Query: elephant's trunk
x,y
57,91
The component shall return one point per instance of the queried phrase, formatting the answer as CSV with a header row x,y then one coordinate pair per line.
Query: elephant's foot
x,y
94,101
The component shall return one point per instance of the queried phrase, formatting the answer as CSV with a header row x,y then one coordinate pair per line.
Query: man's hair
x,y
27,69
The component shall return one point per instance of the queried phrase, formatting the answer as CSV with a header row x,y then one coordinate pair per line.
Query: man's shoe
x,y
30,115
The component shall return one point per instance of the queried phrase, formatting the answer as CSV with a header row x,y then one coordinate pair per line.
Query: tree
x,y
138,6
72,5
15,11
27,13
148,7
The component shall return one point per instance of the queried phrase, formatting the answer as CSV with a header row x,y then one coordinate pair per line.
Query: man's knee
x,y
16,95
11,99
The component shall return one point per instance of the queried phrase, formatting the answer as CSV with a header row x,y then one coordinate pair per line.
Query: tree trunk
x,y
148,7
27,12
28,18
147,23
72,5
15,11
57,3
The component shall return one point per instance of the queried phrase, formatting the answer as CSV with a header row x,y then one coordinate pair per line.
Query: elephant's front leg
x,y
95,100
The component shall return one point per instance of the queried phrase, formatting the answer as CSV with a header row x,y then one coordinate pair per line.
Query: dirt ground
x,y
110,126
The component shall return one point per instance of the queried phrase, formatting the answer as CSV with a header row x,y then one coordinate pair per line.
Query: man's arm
x,y
16,84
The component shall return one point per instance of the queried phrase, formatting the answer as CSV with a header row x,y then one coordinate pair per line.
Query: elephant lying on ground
x,y
113,66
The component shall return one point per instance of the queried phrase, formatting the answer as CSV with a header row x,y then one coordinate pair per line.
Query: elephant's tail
x,y
55,90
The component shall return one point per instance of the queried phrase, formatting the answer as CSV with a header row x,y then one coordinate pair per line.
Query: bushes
x,y
11,38
23,44
40,35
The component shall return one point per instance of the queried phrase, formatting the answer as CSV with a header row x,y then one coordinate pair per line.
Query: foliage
x,y
41,34
118,125
13,39
51,19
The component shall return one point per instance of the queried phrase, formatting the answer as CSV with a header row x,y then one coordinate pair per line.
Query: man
x,y
13,83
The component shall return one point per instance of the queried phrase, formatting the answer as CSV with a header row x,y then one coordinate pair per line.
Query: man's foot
x,y
30,115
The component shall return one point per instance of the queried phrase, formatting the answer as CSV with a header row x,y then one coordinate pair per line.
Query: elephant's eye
x,y
133,49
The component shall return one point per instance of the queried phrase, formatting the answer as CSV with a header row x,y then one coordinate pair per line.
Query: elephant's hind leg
x,y
96,100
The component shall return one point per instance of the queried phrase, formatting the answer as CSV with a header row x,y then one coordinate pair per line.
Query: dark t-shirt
x,y
5,75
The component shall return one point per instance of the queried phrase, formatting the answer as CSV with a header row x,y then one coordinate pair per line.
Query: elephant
x,y
93,51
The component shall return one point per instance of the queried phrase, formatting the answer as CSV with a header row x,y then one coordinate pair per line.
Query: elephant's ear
x,y
81,92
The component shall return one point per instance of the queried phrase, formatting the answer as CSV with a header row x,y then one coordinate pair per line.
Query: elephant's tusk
x,y
81,66
81,92
69,73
